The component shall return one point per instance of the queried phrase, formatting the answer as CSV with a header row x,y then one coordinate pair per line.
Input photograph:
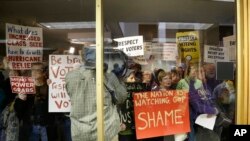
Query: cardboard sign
x,y
131,46
213,54
22,85
160,113
189,46
23,46
59,66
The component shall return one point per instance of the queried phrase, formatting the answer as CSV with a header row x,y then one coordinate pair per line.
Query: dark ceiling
x,y
31,12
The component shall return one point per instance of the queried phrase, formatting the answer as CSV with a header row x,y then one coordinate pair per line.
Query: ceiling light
x,y
173,25
71,50
164,40
87,37
68,25
225,0
88,40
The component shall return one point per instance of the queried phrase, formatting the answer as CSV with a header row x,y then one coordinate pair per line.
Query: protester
x,y
199,101
32,109
2,96
210,76
81,87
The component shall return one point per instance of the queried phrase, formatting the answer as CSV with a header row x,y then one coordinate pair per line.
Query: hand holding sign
x,y
22,96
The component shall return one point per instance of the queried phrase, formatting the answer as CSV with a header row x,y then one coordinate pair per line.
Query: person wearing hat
x,y
81,88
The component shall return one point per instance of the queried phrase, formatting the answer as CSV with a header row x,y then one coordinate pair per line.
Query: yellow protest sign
x,y
188,46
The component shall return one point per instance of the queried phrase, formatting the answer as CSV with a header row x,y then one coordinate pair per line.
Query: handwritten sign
x,y
21,58
132,46
23,46
159,113
188,45
23,85
59,66
126,110
213,54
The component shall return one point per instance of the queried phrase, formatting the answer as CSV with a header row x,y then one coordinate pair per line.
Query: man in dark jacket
x,y
33,109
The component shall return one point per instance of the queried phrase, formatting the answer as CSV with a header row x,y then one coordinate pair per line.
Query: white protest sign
x,y
23,46
59,66
213,54
23,36
131,46
21,58
170,51
230,43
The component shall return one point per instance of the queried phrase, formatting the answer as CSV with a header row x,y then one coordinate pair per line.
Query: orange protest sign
x,y
159,113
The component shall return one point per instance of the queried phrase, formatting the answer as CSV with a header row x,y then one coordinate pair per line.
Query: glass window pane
x,y
165,65
178,74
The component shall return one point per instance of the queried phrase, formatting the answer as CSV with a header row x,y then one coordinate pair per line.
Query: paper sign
x,y
131,46
23,46
213,54
23,36
169,51
22,85
59,66
207,122
188,45
160,113
21,58
230,43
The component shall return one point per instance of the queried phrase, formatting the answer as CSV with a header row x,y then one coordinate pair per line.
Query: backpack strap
x,y
112,93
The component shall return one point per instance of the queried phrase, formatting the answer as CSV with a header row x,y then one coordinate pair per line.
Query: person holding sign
x,y
199,99
32,109
165,81
2,96
10,96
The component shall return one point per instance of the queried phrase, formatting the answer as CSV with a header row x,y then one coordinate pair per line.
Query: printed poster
x,y
59,66
23,46
22,85
188,46
161,113
214,54
132,46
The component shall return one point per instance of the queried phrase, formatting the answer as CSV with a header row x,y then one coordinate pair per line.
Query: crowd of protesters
x,y
206,96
